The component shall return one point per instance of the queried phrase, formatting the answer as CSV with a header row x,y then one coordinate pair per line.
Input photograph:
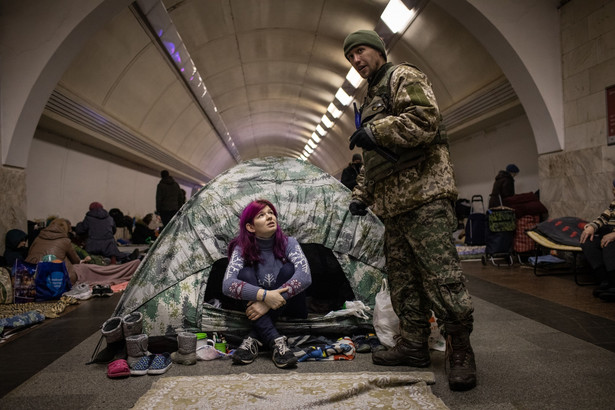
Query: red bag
x,y
522,242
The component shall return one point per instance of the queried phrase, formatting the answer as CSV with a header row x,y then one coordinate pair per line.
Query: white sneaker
x,y
81,291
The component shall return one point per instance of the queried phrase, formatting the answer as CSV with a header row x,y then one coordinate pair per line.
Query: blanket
x,y
393,390
106,275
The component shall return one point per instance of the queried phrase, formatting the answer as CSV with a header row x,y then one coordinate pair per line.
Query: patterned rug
x,y
407,390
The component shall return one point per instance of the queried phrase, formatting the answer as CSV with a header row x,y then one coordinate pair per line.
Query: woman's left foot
x,y
283,357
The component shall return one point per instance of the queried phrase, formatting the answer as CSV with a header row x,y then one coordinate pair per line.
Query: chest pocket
x,y
376,109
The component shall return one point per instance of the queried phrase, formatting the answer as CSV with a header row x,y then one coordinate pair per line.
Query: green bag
x,y
501,219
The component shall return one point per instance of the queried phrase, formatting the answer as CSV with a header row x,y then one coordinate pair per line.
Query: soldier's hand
x,y
357,208
362,138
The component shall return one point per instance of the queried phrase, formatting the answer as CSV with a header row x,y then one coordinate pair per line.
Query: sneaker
x,y
282,355
97,290
374,343
361,344
247,352
142,365
80,291
160,364
106,290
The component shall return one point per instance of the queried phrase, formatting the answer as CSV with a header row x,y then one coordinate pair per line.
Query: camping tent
x,y
169,286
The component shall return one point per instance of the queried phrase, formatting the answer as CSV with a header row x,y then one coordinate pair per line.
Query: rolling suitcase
x,y
476,227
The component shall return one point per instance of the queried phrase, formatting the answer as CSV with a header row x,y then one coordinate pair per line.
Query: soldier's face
x,y
366,60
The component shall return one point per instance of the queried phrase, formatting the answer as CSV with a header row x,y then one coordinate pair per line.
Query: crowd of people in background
x,y
94,239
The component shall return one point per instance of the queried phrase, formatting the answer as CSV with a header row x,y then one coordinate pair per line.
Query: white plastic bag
x,y
386,322
351,308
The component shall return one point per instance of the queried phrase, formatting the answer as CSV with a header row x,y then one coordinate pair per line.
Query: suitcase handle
x,y
477,198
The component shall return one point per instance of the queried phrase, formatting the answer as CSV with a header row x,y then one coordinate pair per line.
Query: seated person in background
x,y
269,272
142,231
598,243
504,185
99,227
54,240
350,173
16,242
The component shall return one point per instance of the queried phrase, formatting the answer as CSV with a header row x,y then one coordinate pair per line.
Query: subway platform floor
x,y
540,343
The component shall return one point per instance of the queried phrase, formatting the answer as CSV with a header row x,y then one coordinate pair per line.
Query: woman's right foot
x,y
247,352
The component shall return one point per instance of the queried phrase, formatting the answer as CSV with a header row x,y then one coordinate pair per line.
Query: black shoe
x,y
404,353
462,372
247,352
361,344
283,357
604,286
608,295
374,343
97,290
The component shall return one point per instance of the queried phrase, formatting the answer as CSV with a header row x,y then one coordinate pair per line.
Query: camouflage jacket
x,y
404,119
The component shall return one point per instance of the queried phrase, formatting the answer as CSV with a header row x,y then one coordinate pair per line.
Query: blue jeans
x,y
264,328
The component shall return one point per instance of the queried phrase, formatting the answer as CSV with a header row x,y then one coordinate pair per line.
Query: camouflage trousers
x,y
424,270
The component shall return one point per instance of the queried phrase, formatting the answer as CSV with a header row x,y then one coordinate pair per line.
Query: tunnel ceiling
x,y
265,73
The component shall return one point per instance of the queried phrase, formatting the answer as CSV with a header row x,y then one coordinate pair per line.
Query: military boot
x,y
462,372
404,353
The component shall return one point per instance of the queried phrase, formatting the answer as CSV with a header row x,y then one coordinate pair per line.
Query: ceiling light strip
x,y
154,14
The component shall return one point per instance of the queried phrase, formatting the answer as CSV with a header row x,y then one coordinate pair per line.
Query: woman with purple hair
x,y
269,271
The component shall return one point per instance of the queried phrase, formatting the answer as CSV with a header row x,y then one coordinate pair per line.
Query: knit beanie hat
x,y
512,168
357,157
365,37
95,205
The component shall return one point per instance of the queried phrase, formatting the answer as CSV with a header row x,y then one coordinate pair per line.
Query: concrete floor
x,y
540,343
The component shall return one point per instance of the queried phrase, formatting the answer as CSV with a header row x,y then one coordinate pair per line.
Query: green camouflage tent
x,y
169,286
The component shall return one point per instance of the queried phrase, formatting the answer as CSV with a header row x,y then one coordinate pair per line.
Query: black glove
x,y
357,208
362,138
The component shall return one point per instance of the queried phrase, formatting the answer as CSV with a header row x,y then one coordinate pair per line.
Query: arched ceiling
x,y
270,67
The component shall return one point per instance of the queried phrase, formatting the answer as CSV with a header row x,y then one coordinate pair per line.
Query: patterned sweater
x,y
267,271
606,218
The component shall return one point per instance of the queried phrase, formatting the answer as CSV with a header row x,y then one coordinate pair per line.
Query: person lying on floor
x,y
268,271
598,244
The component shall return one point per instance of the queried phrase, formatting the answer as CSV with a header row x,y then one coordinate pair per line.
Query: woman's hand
x,y
256,309
274,298
86,259
588,232
606,239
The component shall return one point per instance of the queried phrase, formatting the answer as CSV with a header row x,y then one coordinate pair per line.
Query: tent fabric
x,y
169,286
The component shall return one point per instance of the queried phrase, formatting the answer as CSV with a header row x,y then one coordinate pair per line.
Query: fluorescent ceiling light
x,y
316,138
343,98
396,15
305,154
311,143
321,131
325,120
332,109
302,157
308,148
354,78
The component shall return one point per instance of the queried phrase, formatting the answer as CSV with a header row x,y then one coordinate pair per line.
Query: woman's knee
x,y
248,274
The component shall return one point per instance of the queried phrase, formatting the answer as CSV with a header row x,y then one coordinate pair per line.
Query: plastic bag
x,y
51,280
386,322
351,308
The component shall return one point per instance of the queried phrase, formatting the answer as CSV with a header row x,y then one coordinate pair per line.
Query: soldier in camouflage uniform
x,y
412,191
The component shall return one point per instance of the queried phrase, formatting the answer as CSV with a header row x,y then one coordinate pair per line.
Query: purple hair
x,y
246,240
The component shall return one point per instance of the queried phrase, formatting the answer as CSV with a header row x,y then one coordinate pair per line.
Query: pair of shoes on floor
x,y
102,290
152,364
367,343
80,291
118,369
